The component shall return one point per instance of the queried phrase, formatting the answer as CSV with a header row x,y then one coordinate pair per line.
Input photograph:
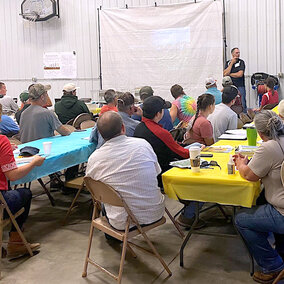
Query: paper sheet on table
x,y
236,132
219,149
237,135
247,125
24,160
183,164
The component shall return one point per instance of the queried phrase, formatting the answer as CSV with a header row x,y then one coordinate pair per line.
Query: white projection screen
x,y
162,46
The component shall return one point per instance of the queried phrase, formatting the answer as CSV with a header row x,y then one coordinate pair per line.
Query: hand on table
x,y
38,160
14,146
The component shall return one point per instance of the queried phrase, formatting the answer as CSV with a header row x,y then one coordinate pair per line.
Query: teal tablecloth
x,y
67,151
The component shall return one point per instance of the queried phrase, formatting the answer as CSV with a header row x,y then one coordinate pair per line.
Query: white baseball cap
x,y
70,87
210,81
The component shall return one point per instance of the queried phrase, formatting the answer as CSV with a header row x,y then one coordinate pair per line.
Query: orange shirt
x,y
106,108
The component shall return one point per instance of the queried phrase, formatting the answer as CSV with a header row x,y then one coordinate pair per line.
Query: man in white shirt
x,y
224,118
131,167
8,104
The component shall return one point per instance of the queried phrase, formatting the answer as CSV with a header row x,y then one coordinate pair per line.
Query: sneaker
x,y
245,118
187,222
265,278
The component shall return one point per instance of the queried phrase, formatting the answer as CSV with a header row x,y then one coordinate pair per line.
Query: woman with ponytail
x,y
200,129
256,224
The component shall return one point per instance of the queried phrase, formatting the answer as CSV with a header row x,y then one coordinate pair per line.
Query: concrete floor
x,y
207,259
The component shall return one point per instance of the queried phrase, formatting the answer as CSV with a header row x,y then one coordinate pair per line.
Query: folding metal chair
x,y
5,222
106,194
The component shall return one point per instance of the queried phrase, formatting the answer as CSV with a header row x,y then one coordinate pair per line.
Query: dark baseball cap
x,y
153,105
229,93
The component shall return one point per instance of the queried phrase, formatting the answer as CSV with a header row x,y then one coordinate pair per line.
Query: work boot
x,y
17,248
265,278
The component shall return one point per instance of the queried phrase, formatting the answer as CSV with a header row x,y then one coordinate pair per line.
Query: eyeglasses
x,y
205,164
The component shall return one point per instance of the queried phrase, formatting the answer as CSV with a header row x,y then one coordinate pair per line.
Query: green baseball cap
x,y
24,96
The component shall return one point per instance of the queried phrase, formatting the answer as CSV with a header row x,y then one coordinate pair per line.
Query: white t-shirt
x,y
8,104
223,118
131,167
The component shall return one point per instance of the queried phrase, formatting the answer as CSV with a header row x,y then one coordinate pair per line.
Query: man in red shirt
x,y
16,199
165,147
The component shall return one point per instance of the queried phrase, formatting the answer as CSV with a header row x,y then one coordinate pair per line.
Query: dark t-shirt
x,y
239,65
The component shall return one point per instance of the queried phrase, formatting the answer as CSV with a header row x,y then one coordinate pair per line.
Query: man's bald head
x,y
110,125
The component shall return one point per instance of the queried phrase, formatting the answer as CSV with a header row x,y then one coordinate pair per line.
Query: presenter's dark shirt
x,y
238,66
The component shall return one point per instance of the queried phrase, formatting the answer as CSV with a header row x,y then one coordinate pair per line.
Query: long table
x,y
211,185
67,151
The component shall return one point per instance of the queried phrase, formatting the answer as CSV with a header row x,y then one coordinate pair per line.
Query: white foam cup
x,y
194,155
47,147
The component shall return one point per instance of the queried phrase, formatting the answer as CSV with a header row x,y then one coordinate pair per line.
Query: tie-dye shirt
x,y
186,106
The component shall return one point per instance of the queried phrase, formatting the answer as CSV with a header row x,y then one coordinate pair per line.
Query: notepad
x,y
219,149
236,134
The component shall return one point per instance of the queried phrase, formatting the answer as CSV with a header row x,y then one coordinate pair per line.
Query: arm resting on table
x,y
20,172
247,173
63,130
209,141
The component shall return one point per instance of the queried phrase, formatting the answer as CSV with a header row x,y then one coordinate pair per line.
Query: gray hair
x,y
269,123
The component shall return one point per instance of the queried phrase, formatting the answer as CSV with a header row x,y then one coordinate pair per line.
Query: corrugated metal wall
x,y
255,26
252,25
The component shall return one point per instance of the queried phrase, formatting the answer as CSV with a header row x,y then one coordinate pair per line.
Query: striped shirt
x,y
130,166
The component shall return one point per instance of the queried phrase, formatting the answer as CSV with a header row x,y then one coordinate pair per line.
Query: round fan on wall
x,y
39,10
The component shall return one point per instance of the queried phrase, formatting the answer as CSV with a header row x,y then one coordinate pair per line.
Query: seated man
x,y
69,107
126,108
211,86
166,120
8,126
165,147
110,97
130,166
38,122
224,118
24,98
8,105
18,198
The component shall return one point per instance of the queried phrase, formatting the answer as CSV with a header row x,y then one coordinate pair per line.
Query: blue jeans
x,y
16,199
255,225
189,210
244,101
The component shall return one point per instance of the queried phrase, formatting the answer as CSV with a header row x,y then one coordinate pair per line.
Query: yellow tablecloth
x,y
276,109
93,108
212,185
